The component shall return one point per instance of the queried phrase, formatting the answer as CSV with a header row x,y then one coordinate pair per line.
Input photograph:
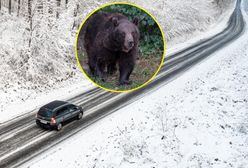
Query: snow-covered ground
x,y
31,77
197,120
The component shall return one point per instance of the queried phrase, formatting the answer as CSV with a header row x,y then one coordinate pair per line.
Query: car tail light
x,y
53,121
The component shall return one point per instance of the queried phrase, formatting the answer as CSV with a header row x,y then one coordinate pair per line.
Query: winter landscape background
x,y
197,120
37,44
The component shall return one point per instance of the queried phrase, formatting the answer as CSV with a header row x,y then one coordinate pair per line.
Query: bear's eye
x,y
123,34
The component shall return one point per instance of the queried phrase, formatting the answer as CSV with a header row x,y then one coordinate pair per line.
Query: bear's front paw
x,y
102,79
125,82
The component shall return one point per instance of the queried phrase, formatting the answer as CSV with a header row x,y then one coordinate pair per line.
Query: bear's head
x,y
125,34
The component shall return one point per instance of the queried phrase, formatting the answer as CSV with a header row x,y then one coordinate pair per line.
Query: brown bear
x,y
111,39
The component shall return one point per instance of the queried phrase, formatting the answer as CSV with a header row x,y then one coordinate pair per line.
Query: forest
x,y
38,37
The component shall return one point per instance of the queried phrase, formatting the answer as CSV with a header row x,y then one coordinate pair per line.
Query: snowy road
x,y
21,140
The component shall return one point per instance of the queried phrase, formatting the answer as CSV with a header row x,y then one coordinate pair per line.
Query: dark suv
x,y
54,114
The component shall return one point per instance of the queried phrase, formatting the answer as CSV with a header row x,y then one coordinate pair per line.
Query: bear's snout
x,y
129,43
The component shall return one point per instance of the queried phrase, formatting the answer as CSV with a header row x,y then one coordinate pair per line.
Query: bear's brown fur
x,y
111,39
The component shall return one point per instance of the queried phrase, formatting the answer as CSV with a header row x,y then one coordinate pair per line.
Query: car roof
x,y
55,104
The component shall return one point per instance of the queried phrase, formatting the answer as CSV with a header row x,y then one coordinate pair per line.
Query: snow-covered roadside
x,y
18,98
31,99
197,120
189,39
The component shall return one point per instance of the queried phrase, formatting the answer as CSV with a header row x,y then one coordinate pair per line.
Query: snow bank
x,y
197,120
49,64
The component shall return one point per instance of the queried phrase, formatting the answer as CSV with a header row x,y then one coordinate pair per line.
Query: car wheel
x,y
59,127
80,115
37,122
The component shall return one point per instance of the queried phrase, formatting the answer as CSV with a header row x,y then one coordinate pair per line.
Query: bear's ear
x,y
136,21
114,20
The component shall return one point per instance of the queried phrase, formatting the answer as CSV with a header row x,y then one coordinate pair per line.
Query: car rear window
x,y
71,106
45,112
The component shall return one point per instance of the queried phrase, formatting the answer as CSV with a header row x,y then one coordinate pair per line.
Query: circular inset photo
x,y
120,47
